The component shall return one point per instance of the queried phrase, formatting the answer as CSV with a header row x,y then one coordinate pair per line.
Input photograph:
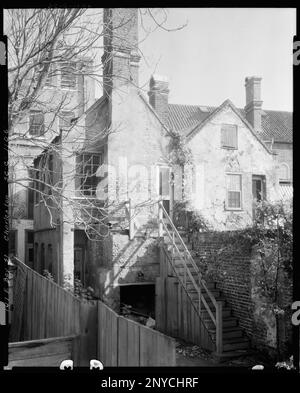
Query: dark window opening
x,y
12,242
36,123
29,256
86,170
42,265
141,298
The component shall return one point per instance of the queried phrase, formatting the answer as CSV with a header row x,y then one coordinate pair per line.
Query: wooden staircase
x,y
213,309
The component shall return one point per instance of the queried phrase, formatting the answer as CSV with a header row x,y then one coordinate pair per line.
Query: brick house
x,y
119,150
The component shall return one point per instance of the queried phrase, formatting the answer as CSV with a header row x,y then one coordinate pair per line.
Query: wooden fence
x,y
176,315
43,310
122,342
49,352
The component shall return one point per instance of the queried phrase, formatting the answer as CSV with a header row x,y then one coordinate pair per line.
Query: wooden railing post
x,y
199,294
160,219
131,220
219,328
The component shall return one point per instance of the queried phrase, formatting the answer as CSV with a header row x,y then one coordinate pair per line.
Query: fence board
x,y
46,352
127,343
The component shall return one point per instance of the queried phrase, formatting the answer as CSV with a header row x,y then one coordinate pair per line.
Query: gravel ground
x,y
189,355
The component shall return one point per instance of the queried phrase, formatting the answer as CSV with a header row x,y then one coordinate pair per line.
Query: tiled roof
x,y
275,124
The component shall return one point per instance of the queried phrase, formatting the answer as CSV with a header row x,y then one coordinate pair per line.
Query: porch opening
x,y
140,298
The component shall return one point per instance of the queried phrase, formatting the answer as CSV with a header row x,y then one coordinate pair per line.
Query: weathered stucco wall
x,y
120,261
212,162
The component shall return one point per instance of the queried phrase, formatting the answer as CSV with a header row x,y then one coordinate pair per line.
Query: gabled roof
x,y
193,130
277,125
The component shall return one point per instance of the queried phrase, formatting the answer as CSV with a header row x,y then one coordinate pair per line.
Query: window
x,y
12,242
65,120
37,195
42,258
50,259
29,256
87,165
30,194
229,136
284,172
36,123
49,81
234,191
68,76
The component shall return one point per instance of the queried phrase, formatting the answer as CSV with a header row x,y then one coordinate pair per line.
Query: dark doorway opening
x,y
140,297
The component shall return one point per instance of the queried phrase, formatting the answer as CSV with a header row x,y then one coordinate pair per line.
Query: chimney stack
x,y
159,95
253,106
120,59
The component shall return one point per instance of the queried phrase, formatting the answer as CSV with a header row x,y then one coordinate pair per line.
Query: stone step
x,y
232,344
211,285
229,332
227,322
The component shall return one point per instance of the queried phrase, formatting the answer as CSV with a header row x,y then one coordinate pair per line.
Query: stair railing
x,y
129,210
166,224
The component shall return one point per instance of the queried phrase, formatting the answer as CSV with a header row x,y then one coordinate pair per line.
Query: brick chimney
x,y
159,95
253,101
120,59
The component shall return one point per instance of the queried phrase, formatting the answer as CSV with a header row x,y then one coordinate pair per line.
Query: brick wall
x,y
231,272
237,273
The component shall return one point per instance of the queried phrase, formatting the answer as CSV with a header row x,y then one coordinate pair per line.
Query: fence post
x,y
219,328
160,219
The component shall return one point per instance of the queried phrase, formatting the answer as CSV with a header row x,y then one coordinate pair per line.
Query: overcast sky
x,y
208,60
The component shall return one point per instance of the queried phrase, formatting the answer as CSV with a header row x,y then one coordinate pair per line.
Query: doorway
x,y
258,188
166,188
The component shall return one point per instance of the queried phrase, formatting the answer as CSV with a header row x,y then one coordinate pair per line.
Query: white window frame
x,y
227,207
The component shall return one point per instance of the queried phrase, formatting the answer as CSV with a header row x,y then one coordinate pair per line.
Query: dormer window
x,y
229,137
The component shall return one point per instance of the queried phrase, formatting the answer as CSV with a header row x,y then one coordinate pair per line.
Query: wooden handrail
x,y
185,257
186,291
130,215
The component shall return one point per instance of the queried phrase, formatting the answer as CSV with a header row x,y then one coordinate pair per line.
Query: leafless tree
x,y
43,45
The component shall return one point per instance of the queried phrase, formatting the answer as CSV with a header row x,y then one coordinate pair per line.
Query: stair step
x,y
234,345
210,285
227,322
229,332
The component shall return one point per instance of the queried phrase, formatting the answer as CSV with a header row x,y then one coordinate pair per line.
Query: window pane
x,y
234,199
234,182
164,186
87,166
36,123
234,191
